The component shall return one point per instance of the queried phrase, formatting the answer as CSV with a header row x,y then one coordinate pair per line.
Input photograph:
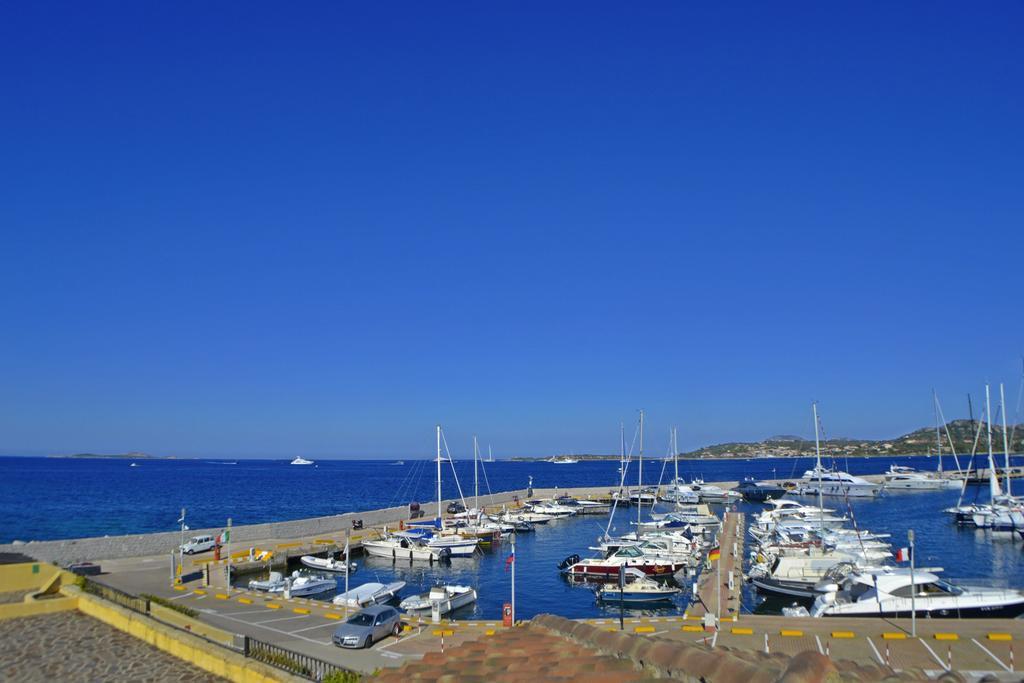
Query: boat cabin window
x,y
860,590
629,551
901,592
938,588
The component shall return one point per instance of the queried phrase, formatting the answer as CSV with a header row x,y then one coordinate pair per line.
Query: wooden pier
x,y
721,580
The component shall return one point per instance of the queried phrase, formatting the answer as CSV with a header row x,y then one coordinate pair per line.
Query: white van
x,y
198,544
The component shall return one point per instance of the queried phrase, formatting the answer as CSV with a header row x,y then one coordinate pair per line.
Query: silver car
x,y
369,626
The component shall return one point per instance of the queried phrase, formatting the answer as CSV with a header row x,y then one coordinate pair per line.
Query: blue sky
x,y
256,229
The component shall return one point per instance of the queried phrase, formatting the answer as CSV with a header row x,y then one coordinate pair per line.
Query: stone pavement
x,y
73,647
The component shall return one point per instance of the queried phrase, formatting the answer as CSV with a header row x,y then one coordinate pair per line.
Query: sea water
x,y
49,498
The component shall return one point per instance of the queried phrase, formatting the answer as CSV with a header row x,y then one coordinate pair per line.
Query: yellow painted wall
x,y
32,608
25,576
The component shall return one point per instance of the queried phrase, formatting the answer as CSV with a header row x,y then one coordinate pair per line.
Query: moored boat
x,y
448,598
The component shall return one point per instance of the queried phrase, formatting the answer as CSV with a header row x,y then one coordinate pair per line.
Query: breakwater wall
x,y
93,549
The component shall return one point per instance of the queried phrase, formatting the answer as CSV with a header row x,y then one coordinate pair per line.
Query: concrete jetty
x,y
139,564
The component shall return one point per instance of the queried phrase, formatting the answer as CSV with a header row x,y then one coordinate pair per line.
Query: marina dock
x,y
304,625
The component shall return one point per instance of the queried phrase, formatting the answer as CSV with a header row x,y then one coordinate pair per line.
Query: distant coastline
x,y
115,456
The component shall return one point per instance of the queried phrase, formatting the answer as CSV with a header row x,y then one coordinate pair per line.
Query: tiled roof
x,y
528,654
552,648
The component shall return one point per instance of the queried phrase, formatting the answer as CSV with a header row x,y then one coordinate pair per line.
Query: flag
x,y
714,554
903,555
224,537
509,560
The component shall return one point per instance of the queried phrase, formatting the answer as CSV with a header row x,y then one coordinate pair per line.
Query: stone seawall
x,y
69,551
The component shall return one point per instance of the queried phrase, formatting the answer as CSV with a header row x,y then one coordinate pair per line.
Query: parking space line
x,y
821,650
941,663
990,653
270,621
878,655
277,630
310,628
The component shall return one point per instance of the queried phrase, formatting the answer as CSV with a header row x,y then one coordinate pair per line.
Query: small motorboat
x,y
274,584
298,585
447,597
637,589
327,564
369,594
301,461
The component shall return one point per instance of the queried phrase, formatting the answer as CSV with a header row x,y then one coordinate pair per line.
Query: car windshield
x,y
362,620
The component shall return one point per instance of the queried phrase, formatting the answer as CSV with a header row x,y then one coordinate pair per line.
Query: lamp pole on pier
x,y
913,588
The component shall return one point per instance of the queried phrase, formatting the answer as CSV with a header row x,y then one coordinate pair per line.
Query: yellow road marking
x,y
791,633
1000,636
288,545
332,615
692,628
222,596
643,629
273,605
489,632
179,587
946,636
843,634
199,591
891,635
245,601
444,633
300,610
737,631
324,541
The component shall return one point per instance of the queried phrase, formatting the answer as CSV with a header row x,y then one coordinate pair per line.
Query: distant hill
x,y
918,442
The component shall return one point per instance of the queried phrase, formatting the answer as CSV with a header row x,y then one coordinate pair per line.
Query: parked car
x,y
366,628
199,544
455,508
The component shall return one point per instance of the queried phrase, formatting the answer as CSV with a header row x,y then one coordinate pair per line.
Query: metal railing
x,y
296,663
306,666
132,602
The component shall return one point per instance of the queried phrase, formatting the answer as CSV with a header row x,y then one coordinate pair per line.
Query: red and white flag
x,y
903,555
509,560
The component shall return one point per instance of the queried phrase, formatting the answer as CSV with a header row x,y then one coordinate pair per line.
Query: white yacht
x,y
299,584
301,461
836,483
448,598
901,477
403,545
887,593
797,576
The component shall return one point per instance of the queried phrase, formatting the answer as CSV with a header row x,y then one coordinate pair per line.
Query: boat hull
x,y
603,571
1007,611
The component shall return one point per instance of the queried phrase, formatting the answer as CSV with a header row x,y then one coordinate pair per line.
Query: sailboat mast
x,y
640,478
993,478
476,483
440,516
675,454
817,455
938,437
1006,443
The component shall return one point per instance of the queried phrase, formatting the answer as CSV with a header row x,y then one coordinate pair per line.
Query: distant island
x,y
918,442
120,456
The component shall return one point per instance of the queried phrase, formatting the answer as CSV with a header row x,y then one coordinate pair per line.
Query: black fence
x,y
307,667
295,663
132,602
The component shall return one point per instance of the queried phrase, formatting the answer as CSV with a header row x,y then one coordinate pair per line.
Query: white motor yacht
x,y
836,483
901,477
301,461
887,592
403,545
